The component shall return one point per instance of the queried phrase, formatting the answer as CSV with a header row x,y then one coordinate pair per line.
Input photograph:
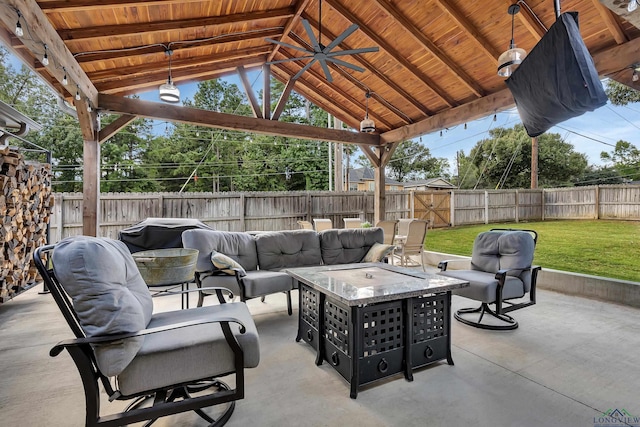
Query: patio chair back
x,y
305,225
352,222
389,228
322,224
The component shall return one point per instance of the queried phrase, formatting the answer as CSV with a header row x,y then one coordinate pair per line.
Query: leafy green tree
x,y
504,160
620,94
599,176
625,159
411,161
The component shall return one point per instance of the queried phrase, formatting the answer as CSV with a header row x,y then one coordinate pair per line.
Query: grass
x,y
595,247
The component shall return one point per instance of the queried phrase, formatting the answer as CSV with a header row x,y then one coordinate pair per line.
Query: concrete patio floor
x,y
571,360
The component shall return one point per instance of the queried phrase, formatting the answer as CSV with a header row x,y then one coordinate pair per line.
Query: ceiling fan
x,y
322,53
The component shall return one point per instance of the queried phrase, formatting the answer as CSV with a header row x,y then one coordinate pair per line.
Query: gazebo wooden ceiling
x,y
436,64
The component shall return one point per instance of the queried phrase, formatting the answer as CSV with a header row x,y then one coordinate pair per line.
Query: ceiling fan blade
x,y
345,64
290,46
280,61
341,37
312,37
303,69
325,68
353,51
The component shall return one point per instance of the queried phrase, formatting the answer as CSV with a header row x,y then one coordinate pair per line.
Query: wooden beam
x,y
181,114
431,47
76,5
529,20
617,58
610,21
473,110
168,25
251,95
387,47
266,91
90,169
112,128
481,41
39,28
300,7
282,101
379,199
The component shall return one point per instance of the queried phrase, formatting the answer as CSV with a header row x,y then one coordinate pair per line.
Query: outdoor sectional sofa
x,y
250,265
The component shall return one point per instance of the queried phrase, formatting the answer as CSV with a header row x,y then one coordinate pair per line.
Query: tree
x,y
625,159
599,176
504,160
620,94
411,160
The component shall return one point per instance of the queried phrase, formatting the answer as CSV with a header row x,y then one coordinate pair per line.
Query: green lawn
x,y
600,248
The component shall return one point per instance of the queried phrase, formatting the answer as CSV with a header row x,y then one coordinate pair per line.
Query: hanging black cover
x,y
158,233
557,80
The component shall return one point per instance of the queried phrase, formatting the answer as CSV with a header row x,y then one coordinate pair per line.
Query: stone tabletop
x,y
368,283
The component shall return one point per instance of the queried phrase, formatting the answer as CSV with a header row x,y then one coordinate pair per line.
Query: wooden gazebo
x,y
435,65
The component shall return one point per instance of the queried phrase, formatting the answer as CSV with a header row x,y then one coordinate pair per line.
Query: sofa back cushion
x,y
108,293
503,250
287,249
241,247
345,246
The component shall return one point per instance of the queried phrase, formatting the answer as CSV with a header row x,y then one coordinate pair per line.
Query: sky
x,y
590,133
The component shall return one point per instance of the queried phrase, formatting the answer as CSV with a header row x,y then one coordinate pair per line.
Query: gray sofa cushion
x,y
283,249
241,247
348,245
264,282
191,353
108,294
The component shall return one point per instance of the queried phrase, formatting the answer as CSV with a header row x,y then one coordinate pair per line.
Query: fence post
x,y
452,208
243,212
517,206
486,207
597,201
542,203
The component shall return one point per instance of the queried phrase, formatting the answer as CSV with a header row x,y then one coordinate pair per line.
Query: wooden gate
x,y
434,206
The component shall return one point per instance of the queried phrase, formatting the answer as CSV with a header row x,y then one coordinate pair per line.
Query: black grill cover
x,y
158,233
557,80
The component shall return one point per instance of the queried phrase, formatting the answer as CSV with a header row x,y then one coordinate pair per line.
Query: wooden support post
x,y
338,177
91,169
266,92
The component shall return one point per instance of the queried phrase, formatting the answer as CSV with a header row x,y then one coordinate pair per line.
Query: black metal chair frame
x,y
173,399
500,310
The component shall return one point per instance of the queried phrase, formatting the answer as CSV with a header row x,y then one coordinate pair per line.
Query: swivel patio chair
x,y
164,363
413,244
501,270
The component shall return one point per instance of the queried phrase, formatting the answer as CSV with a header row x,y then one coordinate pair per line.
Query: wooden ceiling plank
x,y
612,24
164,26
384,45
151,50
431,47
300,7
374,71
76,5
481,41
114,127
182,114
39,28
529,20
251,95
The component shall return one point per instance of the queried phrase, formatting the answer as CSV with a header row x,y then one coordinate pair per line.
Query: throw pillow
x,y
225,264
378,252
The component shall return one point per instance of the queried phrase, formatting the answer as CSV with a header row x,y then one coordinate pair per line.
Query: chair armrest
x,y
442,265
208,288
105,339
502,274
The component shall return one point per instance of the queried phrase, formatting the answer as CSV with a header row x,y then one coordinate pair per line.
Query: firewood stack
x,y
25,206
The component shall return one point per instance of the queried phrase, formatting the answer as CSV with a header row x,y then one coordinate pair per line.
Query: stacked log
x,y
25,205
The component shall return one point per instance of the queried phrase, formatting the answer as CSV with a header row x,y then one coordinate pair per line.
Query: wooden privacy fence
x,y
281,210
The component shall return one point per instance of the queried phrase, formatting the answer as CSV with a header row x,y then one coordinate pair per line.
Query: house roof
x,y
435,67
430,182
367,174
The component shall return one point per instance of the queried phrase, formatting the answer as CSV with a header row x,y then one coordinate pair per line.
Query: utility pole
x,y
534,162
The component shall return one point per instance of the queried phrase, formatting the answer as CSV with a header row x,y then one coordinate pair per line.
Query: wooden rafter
x,y
530,21
384,45
251,95
114,127
431,47
481,42
168,25
282,101
374,71
300,7
182,114
612,24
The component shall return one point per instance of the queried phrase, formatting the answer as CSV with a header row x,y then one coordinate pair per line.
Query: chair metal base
x,y
510,322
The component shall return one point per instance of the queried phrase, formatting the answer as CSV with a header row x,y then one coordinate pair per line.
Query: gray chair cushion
x,y
264,282
345,246
108,294
220,281
283,249
191,353
241,247
482,285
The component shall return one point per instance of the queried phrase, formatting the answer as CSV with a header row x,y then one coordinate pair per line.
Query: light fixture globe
x,y
509,60
367,125
169,92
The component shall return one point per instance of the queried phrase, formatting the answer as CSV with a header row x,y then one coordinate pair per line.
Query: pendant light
x,y
367,125
168,91
511,58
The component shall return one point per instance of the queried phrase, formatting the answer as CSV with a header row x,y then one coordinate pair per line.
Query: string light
x,y
78,93
89,109
18,31
495,117
465,126
65,81
45,57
